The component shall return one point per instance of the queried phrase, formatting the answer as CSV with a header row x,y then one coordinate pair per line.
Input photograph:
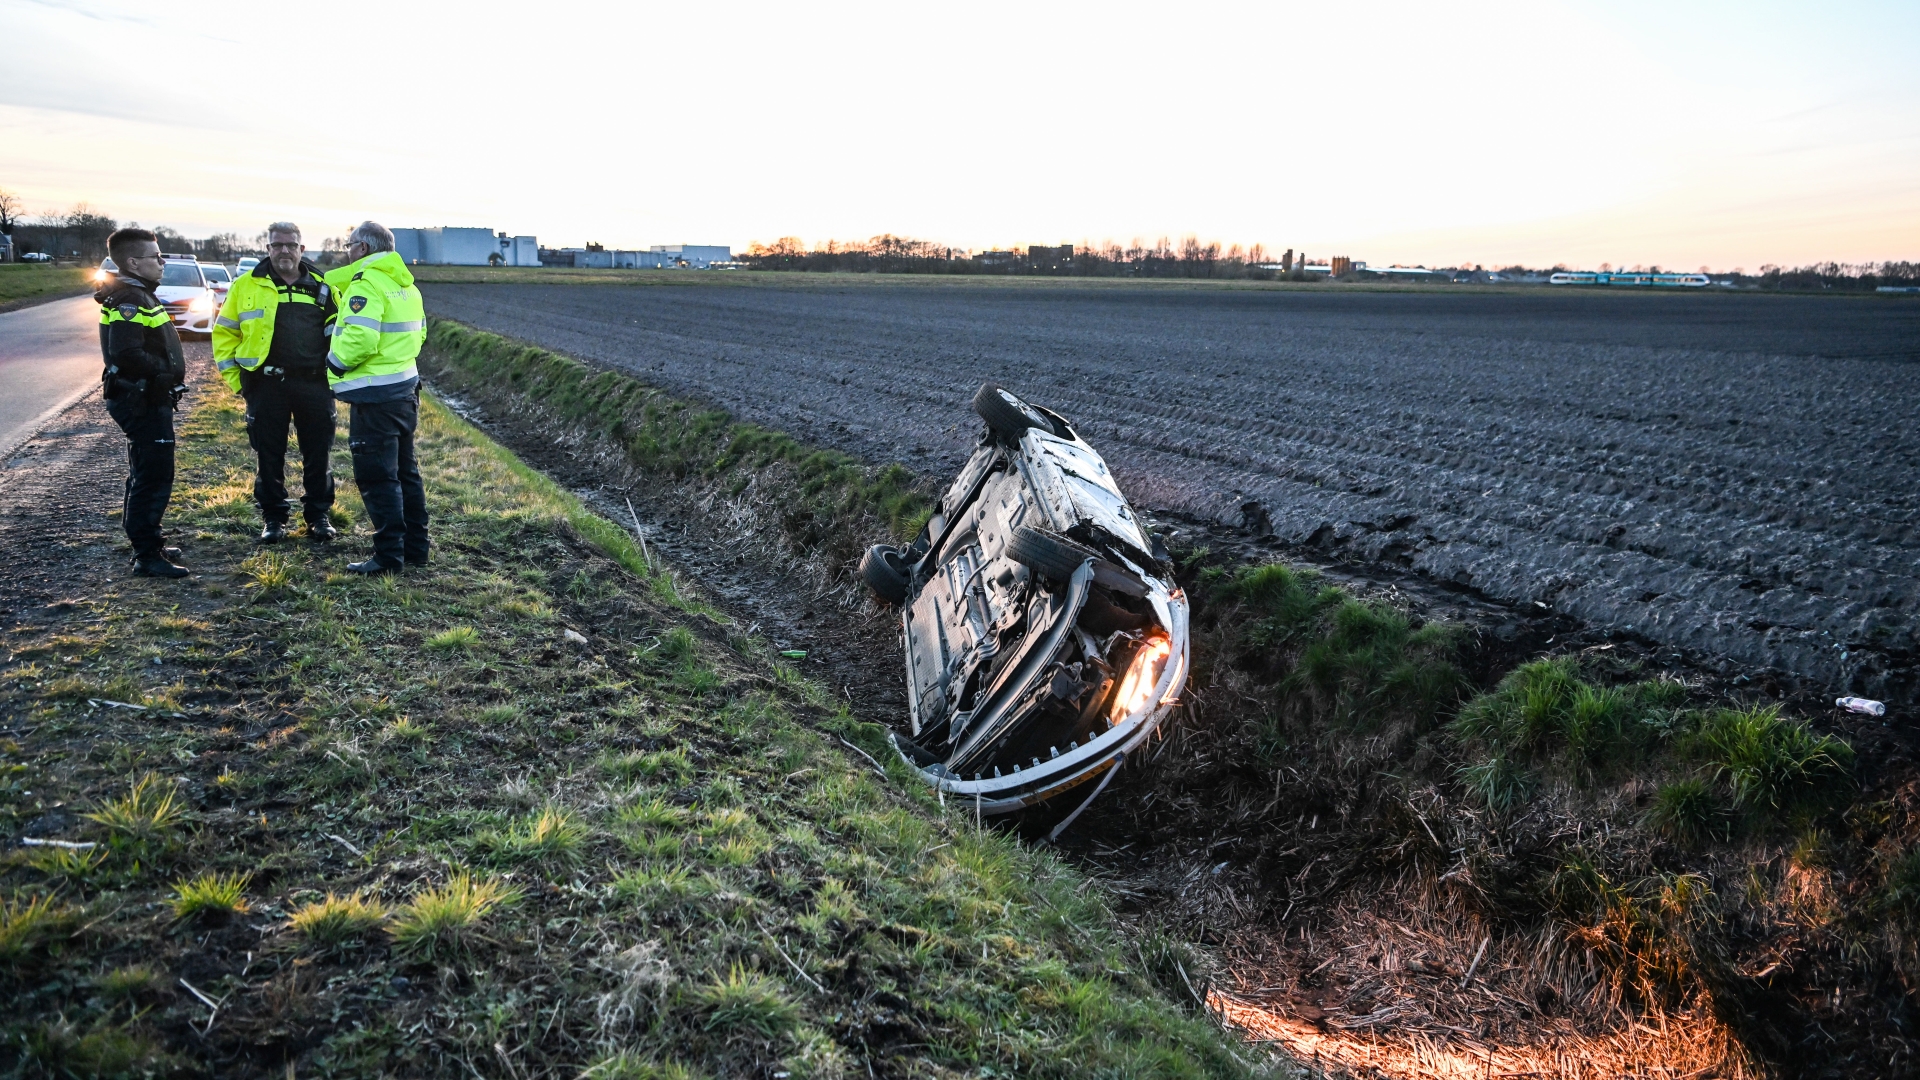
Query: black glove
x,y
175,394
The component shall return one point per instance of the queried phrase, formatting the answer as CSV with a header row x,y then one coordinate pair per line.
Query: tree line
x,y
1192,258
81,234
889,254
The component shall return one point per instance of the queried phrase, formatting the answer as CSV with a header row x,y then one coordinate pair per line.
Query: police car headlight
x,y
200,304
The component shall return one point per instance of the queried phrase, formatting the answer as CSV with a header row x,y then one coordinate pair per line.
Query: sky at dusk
x,y
1699,134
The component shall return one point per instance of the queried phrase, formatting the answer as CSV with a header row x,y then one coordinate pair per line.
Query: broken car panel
x,y
1044,636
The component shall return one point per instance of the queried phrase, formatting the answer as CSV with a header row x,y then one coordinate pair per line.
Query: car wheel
x,y
1048,554
887,573
1006,414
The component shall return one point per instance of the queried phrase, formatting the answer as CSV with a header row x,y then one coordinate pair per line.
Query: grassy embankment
x,y
1626,842
527,812
1685,854
28,281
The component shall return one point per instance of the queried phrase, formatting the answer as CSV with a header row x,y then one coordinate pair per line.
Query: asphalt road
x,y
1739,474
49,357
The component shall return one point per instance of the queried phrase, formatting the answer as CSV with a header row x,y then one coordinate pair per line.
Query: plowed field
x,y
1737,474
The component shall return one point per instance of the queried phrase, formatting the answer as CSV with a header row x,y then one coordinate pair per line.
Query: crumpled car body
x,y
1045,638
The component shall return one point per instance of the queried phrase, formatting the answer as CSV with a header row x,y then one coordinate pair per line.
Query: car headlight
x,y
1142,675
200,304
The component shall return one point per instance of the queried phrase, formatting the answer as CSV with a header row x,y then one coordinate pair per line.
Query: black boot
x,y
156,564
171,552
274,532
320,531
372,567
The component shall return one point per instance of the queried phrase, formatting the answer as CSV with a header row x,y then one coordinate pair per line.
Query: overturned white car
x,y
1044,635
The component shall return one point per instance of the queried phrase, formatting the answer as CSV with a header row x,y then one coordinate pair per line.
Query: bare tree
x,y
9,211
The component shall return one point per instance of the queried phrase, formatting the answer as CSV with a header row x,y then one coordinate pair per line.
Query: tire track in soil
x,y
1733,475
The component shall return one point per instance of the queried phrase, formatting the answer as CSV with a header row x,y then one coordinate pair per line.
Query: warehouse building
x,y
445,245
660,257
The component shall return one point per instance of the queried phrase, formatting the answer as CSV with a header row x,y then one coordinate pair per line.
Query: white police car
x,y
184,290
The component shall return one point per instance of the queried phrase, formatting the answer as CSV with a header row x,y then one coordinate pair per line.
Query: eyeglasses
x,y
154,257
295,246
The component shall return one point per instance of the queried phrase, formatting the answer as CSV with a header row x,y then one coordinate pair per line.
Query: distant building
x,y
6,248
693,256
445,245
995,259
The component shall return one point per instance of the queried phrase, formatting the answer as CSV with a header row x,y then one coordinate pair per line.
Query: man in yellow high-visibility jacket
x,y
270,345
377,334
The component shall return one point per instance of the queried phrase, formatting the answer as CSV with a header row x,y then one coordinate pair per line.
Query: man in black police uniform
x,y
270,344
142,382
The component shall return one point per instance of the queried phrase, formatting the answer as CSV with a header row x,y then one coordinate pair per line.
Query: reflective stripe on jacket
x,y
243,331
381,325
138,346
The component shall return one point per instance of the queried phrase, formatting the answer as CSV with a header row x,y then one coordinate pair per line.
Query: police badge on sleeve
x,y
357,303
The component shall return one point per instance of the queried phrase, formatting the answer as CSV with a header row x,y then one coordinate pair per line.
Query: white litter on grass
x,y
573,637
70,845
1864,706
137,708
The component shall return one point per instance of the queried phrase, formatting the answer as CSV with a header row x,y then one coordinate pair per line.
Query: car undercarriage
x,y
1044,636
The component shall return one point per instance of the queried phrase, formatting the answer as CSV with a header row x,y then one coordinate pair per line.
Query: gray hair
x,y
284,226
376,236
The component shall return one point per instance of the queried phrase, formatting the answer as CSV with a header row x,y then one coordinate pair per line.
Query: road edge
x,y
36,301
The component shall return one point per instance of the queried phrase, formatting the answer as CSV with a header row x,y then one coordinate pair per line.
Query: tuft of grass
x,y
454,639
437,924
1544,708
549,837
627,1065
1357,663
149,812
1900,896
652,813
213,896
129,982
1640,930
269,571
404,730
1685,810
746,1001
679,644
1496,782
1773,766
77,864
62,1049
337,921
25,927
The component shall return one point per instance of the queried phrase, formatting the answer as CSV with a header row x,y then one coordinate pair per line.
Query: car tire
x,y
1048,554
1006,414
887,572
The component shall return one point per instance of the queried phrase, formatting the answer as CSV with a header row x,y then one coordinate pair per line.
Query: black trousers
x,y
149,430
381,438
275,403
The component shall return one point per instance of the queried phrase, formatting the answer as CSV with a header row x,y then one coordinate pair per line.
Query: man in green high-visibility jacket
x,y
377,335
270,346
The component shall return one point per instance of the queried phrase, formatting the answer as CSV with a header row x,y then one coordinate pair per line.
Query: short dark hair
x,y
122,239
